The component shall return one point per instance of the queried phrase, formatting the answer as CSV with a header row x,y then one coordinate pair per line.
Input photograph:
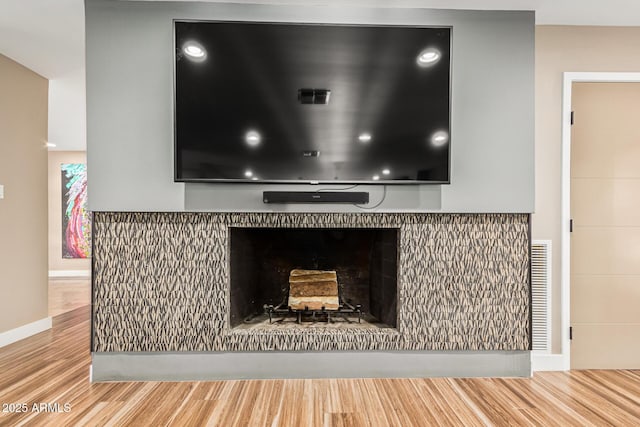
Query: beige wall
x,y
23,211
560,49
56,262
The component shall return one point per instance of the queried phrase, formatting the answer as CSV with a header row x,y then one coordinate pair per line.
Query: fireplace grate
x,y
283,310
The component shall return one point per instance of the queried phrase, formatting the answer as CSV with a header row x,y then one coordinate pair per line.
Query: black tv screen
x,y
311,103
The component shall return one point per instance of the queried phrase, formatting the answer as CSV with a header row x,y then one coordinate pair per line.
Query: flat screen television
x,y
311,103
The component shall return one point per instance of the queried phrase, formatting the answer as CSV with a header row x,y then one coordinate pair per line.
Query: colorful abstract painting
x,y
76,219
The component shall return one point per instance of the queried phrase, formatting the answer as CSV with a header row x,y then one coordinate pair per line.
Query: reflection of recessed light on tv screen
x,y
372,103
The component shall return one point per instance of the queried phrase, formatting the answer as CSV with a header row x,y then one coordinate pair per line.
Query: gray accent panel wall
x,y
130,108
161,283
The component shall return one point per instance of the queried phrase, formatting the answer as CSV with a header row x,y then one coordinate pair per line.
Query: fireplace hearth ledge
x,y
197,366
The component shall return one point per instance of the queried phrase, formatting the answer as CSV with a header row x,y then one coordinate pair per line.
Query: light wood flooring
x,y
67,294
53,368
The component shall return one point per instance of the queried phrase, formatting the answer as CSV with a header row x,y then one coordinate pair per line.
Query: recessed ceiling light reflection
x,y
252,138
194,51
428,57
248,173
386,171
375,177
255,178
50,145
364,137
439,138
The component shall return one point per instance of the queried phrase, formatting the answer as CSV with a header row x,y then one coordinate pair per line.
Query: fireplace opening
x,y
264,260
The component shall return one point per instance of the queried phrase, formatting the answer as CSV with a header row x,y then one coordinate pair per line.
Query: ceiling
x,y
47,36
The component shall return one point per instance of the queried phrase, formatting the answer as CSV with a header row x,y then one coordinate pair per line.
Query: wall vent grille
x,y
541,295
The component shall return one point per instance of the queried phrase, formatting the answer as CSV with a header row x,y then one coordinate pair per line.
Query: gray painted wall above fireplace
x,y
130,109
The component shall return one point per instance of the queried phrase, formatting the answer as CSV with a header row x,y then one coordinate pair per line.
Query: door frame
x,y
565,235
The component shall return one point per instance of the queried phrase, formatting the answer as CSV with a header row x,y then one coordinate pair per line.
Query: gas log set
x,y
314,295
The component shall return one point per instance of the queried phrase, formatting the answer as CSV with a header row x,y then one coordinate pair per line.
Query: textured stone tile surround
x,y
161,283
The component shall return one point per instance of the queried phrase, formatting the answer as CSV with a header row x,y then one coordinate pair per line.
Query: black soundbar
x,y
354,197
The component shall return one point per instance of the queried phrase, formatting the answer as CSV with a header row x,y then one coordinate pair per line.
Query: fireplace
x,y
162,282
365,261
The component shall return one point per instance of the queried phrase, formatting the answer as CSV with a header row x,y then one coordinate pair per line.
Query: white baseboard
x,y
25,331
547,362
70,273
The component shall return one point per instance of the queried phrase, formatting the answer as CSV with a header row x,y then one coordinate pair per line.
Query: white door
x,y
605,243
